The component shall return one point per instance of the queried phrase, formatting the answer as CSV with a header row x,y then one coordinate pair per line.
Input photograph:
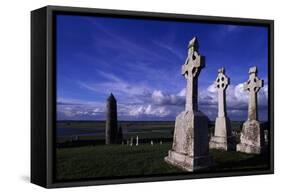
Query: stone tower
x,y
223,137
252,136
190,149
111,131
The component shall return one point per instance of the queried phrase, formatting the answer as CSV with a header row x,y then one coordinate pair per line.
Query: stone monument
x,y
223,137
252,136
111,121
190,149
137,140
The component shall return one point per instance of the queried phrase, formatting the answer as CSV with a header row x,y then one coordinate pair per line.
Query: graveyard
x,y
82,158
192,143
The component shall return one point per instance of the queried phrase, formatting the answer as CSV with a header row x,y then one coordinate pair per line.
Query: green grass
x,y
121,160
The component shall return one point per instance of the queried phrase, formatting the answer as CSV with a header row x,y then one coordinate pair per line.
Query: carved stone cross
x,y
221,84
253,85
191,69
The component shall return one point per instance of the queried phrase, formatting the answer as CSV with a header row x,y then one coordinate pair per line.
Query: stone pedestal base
x,y
223,143
223,138
190,150
252,138
188,163
249,149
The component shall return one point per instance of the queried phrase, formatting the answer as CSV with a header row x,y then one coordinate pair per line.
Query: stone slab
x,y
252,138
223,143
188,163
223,138
190,150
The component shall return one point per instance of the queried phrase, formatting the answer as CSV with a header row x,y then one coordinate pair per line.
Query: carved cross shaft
x,y
253,85
221,84
191,69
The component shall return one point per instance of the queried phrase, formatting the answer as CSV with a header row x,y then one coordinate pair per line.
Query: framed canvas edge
x,y
50,70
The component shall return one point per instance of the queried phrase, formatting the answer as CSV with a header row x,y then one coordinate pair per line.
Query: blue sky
x,y
139,61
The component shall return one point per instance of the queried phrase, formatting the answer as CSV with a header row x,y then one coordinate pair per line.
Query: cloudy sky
x,y
139,61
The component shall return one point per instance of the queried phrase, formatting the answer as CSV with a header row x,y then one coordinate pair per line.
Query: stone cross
x,y
223,137
191,69
137,140
190,148
252,135
253,85
221,84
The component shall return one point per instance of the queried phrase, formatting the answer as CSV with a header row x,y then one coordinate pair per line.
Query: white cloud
x,y
73,109
236,100
148,110
160,98
182,93
159,104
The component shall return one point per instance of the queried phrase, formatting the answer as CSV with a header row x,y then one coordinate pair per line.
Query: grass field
x,y
121,160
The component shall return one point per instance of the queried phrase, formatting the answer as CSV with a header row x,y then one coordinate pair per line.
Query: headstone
x,y
252,137
223,137
137,140
190,149
160,142
151,142
131,142
128,142
111,121
266,136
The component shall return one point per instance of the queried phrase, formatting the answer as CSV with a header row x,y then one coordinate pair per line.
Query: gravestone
x,y
151,142
111,121
137,140
131,141
252,137
223,137
190,149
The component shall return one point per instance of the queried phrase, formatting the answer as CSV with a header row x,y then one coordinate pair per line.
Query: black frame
x,y
43,92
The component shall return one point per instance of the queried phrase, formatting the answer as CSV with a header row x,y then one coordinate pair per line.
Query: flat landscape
x,y
105,161
81,152
95,130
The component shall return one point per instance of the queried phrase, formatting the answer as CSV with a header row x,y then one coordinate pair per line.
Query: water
x,y
68,132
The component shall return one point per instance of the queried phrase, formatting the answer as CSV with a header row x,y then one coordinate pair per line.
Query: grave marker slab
x,y
190,149
252,136
223,137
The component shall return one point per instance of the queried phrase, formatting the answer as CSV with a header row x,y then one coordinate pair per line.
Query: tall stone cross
x,y
223,137
221,84
190,148
253,85
191,69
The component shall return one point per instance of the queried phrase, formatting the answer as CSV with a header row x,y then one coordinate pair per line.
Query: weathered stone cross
x,y
221,84
253,85
191,69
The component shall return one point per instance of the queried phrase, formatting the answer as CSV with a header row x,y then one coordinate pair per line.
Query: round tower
x,y
111,120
